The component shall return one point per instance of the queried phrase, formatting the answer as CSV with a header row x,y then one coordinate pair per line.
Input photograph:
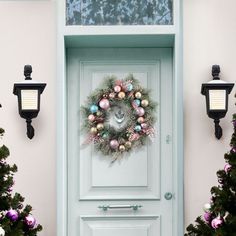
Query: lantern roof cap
x,y
28,84
216,84
214,81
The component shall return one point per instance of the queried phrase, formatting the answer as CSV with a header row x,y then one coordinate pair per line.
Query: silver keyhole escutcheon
x,y
168,196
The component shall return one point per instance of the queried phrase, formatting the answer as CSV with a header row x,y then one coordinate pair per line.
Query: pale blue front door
x,y
143,178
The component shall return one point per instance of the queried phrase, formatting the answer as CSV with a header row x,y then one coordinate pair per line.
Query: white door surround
x,y
119,36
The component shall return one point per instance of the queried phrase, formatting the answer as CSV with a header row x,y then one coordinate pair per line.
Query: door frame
x,y
157,36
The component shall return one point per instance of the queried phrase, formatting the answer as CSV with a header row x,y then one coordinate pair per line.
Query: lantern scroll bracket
x,y
218,129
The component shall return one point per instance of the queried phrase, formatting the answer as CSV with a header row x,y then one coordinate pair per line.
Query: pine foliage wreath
x,y
123,103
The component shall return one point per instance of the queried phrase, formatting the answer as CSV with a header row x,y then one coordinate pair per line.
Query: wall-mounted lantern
x,y
28,93
216,92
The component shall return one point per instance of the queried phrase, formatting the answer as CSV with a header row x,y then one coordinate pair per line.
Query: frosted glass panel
x,y
119,12
29,99
217,99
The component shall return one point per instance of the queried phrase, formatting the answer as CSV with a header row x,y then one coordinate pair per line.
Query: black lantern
x,y
216,92
28,92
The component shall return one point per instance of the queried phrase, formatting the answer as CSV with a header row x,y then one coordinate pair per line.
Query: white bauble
x,y
2,231
207,207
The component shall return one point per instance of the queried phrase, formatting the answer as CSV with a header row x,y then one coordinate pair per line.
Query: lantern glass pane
x,y
217,99
29,99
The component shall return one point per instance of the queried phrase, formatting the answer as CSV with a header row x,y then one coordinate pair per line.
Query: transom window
x,y
119,12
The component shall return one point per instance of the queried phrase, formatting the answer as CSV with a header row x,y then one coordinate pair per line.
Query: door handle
x,y
168,196
106,207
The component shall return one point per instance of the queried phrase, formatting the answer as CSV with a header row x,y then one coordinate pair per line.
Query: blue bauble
x,y
129,87
94,108
137,102
105,135
138,128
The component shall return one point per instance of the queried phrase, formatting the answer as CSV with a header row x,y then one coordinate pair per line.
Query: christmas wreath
x,y
118,116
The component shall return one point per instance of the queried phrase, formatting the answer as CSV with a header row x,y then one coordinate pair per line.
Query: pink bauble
x,y
144,125
91,117
30,221
217,222
104,104
140,111
227,167
10,189
140,120
117,88
234,123
207,216
13,215
112,95
134,137
233,150
114,144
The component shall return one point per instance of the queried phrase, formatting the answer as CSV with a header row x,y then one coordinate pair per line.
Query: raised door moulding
x,y
93,187
124,225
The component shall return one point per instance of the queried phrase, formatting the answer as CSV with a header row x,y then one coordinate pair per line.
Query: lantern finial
x,y
215,72
27,72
